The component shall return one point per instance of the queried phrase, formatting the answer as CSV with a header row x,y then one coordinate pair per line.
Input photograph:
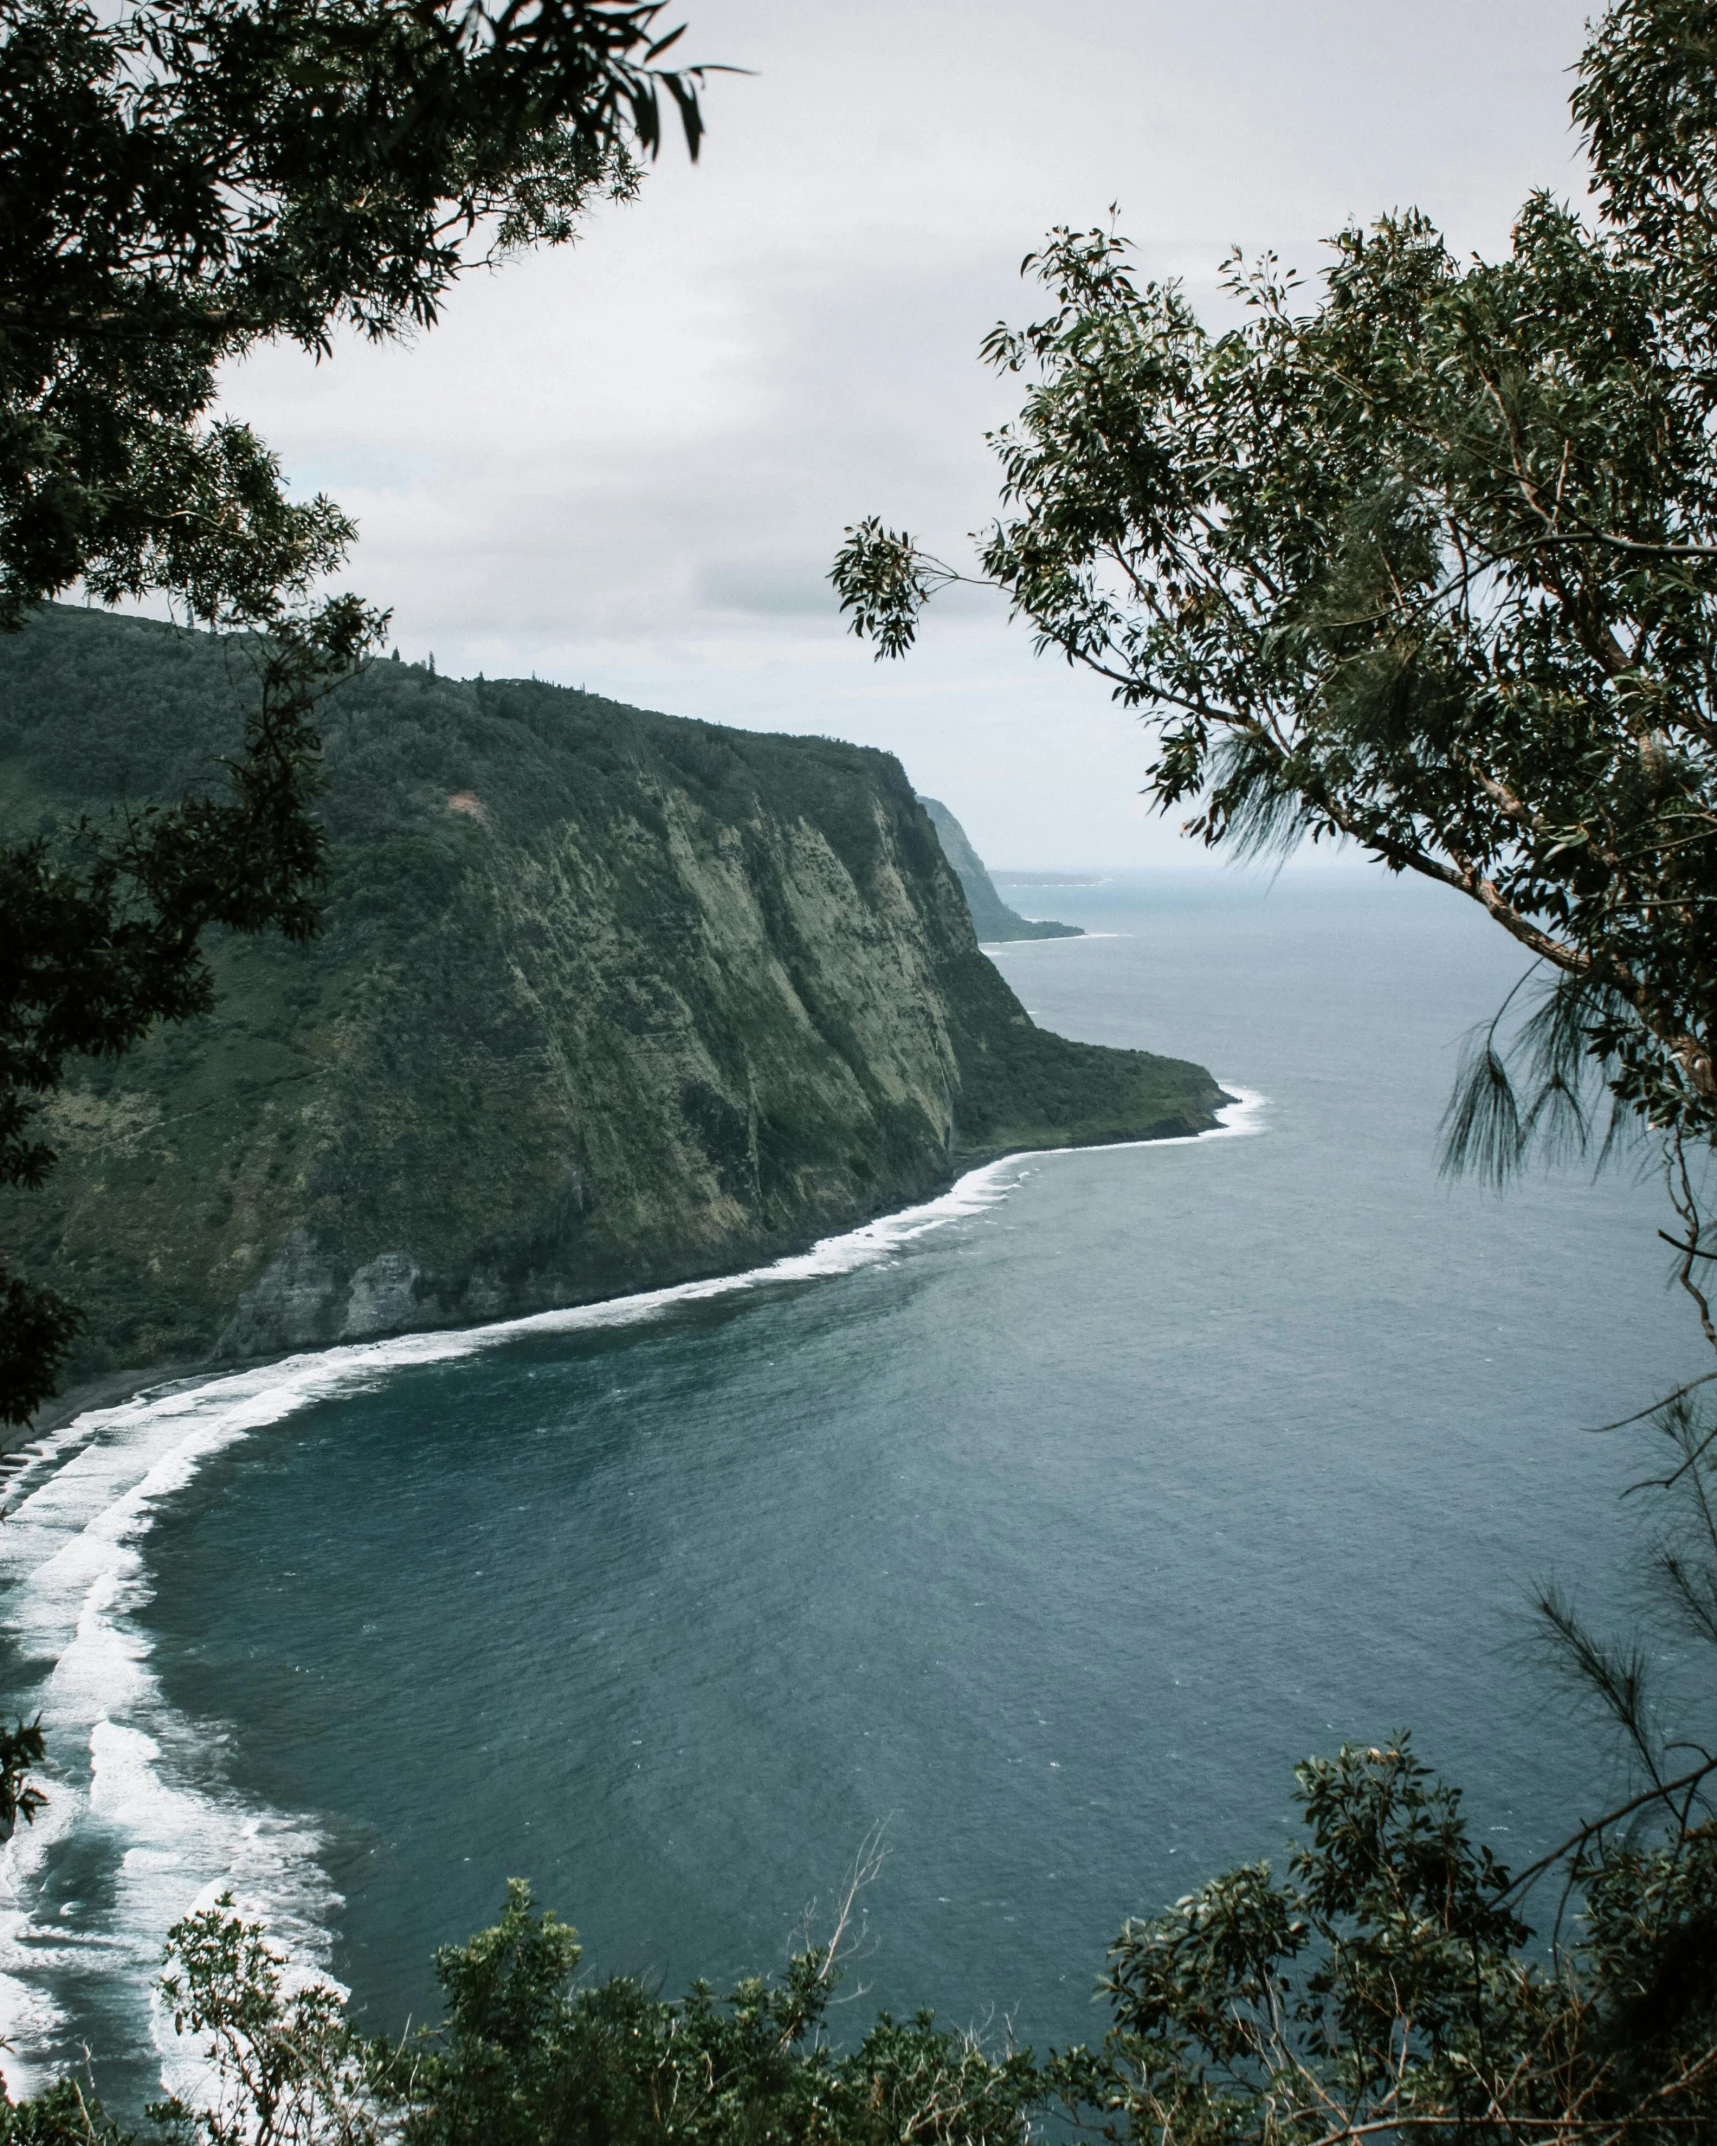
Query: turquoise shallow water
x,y
1048,1534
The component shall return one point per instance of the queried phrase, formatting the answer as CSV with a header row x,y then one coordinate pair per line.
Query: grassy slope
x,y
661,998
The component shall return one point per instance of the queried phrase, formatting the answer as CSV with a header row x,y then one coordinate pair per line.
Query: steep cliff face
x,y
605,1000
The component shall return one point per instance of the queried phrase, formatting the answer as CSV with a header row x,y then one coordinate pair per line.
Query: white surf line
x,y
71,1566
1013,946
1242,1118
165,1845
1238,1120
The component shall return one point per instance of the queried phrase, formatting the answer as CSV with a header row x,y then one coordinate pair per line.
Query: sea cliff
x,y
605,999
992,919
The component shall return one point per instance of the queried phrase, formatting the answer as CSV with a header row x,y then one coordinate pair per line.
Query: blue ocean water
x,y
1046,1529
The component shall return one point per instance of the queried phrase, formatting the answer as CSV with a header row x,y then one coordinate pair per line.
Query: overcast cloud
x,y
627,464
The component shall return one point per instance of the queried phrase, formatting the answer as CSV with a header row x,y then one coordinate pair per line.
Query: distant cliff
x,y
992,919
605,1000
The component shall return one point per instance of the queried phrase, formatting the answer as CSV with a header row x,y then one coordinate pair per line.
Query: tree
x,y
181,180
1426,559
1389,1990
1430,563
525,2058
1386,1988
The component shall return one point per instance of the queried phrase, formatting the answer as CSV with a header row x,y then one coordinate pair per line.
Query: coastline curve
x,y
82,1499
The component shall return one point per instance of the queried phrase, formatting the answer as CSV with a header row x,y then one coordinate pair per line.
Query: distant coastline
x,y
1047,879
993,921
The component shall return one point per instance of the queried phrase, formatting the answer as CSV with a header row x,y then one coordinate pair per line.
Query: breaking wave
x,y
141,1826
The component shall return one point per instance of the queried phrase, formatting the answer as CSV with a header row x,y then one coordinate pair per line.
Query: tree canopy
x,y
1383,1986
186,178
181,180
1424,556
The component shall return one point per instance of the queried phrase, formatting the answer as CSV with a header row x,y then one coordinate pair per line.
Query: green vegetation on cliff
x,y
605,999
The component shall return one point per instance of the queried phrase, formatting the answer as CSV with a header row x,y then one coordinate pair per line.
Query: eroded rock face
x,y
604,1001
383,1297
309,1296
298,1302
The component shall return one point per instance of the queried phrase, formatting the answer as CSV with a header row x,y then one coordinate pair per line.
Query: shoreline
x,y
93,1483
113,1389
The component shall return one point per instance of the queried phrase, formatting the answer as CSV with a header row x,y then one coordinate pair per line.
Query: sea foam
x,y
136,1787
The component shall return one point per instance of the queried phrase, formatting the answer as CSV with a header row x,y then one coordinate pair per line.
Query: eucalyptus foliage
x,y
1383,1986
180,182
1387,1987
185,179
527,2056
1424,556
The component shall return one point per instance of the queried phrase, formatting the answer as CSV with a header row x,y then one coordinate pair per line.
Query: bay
x,y
1045,1532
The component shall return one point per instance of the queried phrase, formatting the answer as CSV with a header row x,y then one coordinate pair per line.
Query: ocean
x,y
1043,1528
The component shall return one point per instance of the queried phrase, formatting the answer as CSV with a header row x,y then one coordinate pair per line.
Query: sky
x,y
626,464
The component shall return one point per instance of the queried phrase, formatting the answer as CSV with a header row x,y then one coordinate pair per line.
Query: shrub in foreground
x,y
1386,1988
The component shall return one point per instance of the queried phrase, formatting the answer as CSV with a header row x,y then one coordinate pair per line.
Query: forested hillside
x,y
605,999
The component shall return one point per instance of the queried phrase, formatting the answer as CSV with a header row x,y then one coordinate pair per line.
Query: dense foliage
x,y
101,937
186,178
1386,1988
527,2056
179,181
